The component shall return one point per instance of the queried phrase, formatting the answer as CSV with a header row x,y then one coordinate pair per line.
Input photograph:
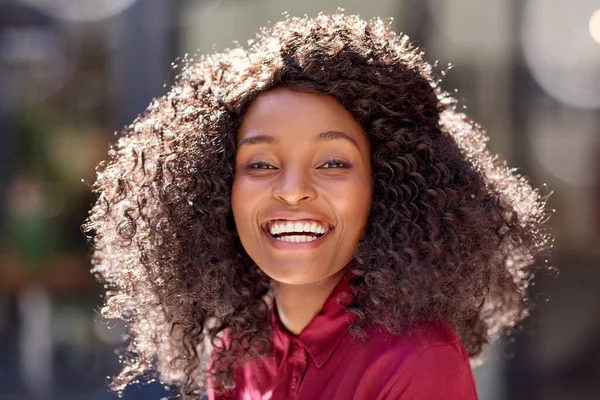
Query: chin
x,y
297,275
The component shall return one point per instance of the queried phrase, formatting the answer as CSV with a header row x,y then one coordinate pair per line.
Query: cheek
x,y
240,208
246,197
352,201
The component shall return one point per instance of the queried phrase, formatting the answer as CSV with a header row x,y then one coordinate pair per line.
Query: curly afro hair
x,y
452,230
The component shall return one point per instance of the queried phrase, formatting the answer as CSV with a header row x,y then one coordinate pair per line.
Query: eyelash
x,y
343,164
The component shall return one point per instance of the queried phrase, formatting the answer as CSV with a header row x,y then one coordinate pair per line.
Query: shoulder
x,y
433,333
426,361
400,349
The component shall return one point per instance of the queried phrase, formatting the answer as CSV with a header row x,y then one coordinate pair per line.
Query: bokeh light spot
x,y
595,26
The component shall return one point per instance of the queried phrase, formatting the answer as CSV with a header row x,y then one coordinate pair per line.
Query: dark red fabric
x,y
325,362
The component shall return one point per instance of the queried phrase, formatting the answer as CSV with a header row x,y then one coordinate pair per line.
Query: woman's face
x,y
303,186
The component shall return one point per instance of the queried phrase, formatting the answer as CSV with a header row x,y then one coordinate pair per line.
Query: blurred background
x,y
74,72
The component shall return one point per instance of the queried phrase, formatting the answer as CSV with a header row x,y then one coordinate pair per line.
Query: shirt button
x,y
294,382
298,352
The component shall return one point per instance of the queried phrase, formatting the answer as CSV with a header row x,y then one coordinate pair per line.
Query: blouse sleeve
x,y
438,372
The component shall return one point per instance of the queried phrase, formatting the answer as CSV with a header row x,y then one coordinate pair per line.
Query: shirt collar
x,y
326,330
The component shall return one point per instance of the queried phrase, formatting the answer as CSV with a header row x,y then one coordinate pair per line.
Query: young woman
x,y
311,218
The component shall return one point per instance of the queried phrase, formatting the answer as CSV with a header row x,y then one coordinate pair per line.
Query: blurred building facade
x,y
72,74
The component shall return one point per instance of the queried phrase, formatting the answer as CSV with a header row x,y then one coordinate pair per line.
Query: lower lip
x,y
281,245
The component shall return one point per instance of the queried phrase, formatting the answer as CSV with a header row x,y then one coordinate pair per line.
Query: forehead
x,y
282,111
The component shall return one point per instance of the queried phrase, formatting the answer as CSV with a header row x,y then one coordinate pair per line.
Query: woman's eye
x,y
259,165
335,164
331,164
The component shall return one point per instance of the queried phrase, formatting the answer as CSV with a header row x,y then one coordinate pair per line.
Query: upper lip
x,y
297,216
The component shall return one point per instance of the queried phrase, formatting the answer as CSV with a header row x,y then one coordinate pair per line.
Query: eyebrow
x,y
323,136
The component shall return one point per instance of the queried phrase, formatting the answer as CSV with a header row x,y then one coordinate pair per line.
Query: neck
x,y
297,305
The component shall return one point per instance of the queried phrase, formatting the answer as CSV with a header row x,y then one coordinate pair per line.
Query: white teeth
x,y
289,227
297,238
296,227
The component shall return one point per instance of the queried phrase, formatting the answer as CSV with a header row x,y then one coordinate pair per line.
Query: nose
x,y
294,186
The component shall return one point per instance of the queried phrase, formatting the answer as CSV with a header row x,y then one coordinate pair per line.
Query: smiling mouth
x,y
296,237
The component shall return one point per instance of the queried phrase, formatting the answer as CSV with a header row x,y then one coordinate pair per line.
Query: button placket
x,y
298,366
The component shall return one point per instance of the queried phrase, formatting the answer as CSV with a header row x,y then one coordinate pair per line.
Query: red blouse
x,y
325,362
